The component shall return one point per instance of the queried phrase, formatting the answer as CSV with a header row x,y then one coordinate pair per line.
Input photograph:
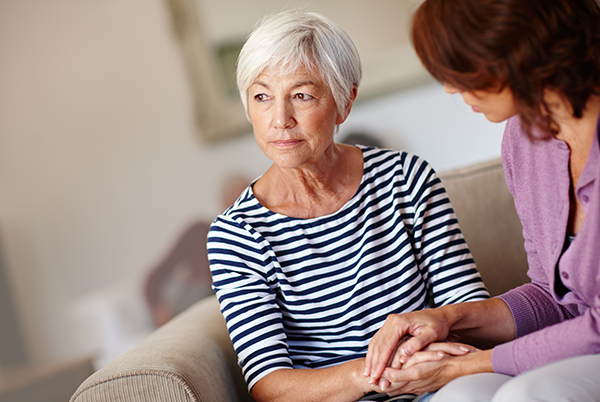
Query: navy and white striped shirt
x,y
311,293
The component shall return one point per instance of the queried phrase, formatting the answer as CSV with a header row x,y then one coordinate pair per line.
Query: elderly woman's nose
x,y
283,115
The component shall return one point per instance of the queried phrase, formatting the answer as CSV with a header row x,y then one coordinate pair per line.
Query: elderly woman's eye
x,y
260,97
303,96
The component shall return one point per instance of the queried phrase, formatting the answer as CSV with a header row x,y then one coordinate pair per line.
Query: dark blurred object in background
x,y
183,276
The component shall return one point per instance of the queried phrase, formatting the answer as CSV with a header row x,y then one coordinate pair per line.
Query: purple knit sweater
x,y
552,326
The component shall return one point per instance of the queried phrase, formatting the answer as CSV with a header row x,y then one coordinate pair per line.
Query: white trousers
x,y
575,379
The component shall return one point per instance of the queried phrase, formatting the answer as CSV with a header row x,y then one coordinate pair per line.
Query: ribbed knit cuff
x,y
521,309
517,300
503,361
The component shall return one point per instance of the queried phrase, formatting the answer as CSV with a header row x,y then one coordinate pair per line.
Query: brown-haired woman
x,y
535,63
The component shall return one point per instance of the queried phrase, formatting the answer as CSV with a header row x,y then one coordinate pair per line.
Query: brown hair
x,y
529,46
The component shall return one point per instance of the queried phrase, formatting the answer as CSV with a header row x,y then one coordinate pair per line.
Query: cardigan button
x,y
585,199
565,275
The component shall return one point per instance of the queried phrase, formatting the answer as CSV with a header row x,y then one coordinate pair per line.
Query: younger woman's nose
x,y
449,88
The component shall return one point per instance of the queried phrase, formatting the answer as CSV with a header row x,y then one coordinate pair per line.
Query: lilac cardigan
x,y
537,175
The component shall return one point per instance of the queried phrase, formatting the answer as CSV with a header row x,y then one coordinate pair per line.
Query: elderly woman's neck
x,y
316,188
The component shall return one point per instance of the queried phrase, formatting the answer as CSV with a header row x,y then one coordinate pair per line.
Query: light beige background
x,y
100,163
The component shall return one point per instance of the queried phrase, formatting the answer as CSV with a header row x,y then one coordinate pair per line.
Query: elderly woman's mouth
x,y
286,143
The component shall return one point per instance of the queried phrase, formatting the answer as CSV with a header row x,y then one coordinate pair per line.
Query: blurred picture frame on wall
x,y
211,33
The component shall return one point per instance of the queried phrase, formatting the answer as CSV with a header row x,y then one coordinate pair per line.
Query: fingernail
x,y
383,384
463,348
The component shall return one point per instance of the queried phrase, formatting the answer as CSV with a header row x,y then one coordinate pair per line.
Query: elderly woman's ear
x,y
342,117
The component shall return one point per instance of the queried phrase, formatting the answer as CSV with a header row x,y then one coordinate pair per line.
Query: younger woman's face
x,y
496,106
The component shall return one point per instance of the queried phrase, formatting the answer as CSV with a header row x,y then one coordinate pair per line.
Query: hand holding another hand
x,y
437,351
421,363
386,349
425,371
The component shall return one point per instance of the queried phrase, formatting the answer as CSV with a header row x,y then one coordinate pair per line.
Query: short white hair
x,y
296,38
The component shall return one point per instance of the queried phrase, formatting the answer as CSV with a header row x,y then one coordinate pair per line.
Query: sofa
x,y
191,357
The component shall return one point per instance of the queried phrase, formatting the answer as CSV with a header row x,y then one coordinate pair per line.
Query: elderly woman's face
x,y
293,116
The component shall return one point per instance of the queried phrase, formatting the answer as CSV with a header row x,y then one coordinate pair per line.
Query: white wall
x,y
428,122
100,167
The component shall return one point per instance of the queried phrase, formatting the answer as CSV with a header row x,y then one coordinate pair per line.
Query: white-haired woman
x,y
316,252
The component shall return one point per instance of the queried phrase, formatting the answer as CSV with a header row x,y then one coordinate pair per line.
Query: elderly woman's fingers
x,y
397,358
381,348
397,381
391,388
418,379
386,347
384,384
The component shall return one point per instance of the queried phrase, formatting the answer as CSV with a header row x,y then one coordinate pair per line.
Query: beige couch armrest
x,y
188,359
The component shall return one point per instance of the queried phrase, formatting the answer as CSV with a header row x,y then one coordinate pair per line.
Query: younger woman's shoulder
x,y
513,129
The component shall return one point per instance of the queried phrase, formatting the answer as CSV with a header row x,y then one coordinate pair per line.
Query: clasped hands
x,y
411,354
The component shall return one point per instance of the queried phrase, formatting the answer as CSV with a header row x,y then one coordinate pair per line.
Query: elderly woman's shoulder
x,y
382,163
244,202
401,157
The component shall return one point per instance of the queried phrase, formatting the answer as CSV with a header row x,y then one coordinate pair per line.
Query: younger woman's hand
x,y
437,350
431,353
429,370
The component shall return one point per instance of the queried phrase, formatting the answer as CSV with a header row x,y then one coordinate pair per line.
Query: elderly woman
x,y
537,64
332,238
